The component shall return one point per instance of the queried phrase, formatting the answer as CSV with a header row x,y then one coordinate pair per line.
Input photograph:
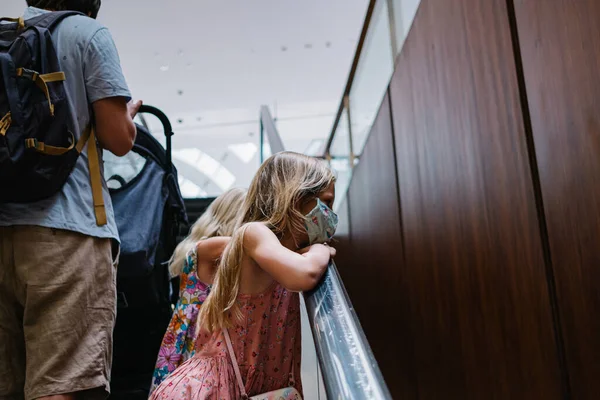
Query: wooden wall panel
x,y
560,48
373,276
479,304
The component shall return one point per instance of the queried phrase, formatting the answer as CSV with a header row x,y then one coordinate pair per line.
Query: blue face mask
x,y
320,223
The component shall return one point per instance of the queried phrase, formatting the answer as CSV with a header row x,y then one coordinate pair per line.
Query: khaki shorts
x,y
57,313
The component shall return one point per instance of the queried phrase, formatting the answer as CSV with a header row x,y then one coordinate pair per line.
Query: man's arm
x,y
109,95
115,129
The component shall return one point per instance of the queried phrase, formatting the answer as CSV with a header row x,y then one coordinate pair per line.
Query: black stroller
x,y
150,215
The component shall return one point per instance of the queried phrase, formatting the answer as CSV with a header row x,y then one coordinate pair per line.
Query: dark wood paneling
x,y
479,303
373,273
560,48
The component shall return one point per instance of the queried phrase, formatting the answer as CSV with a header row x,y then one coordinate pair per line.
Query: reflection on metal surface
x,y
268,131
349,368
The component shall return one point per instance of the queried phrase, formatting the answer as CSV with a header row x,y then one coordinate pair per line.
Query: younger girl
x,y
195,261
253,300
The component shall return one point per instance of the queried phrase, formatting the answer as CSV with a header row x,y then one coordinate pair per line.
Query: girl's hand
x,y
321,251
332,250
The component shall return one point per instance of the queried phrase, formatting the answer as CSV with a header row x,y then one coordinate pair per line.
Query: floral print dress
x,y
178,344
267,345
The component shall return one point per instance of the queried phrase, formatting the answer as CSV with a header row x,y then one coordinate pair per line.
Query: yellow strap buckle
x,y
43,148
5,123
19,21
31,143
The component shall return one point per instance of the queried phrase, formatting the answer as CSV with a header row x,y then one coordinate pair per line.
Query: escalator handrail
x,y
349,368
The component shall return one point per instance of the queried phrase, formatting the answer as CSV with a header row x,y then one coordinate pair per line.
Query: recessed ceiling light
x,y
284,48
308,46
198,119
164,68
180,92
328,44
180,121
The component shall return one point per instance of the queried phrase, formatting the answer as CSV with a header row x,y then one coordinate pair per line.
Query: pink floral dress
x,y
178,344
266,342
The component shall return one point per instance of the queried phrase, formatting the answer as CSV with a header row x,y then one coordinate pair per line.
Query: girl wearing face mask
x,y
249,343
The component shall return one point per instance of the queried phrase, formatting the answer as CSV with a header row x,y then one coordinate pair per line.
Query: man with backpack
x,y
63,97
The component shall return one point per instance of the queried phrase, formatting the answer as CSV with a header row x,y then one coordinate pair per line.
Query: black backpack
x,y
38,151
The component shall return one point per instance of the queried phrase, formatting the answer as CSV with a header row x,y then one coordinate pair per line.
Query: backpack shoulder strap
x,y
95,177
50,19
89,137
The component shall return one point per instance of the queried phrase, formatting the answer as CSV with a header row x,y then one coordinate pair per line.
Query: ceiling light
x,y
244,151
189,190
308,46
164,68
284,48
224,179
207,165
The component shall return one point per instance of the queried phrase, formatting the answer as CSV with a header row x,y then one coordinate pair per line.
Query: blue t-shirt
x,y
89,59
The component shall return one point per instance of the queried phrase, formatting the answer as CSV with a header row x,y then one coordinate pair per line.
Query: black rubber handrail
x,y
168,128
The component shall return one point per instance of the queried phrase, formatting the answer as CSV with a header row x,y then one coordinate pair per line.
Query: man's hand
x,y
134,107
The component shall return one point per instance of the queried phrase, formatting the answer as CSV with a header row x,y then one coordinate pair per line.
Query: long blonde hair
x,y
280,186
219,219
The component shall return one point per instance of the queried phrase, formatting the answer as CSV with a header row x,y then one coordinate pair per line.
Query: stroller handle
x,y
144,109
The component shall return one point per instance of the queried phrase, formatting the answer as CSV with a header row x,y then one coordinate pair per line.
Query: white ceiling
x,y
211,64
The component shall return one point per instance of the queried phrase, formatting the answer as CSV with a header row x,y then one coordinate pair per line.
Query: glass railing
x,y
386,26
346,361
